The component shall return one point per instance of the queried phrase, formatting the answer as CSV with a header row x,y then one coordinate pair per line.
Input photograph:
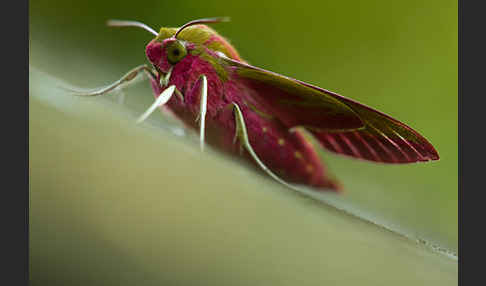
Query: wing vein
x,y
408,144
390,153
391,142
372,151
351,145
334,143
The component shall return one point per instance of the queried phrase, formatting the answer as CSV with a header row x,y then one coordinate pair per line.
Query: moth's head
x,y
166,53
172,45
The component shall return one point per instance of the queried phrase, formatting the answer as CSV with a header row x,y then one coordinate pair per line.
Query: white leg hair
x,y
161,100
242,135
165,80
128,77
202,110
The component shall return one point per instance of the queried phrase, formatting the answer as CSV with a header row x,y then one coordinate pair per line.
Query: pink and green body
x,y
275,109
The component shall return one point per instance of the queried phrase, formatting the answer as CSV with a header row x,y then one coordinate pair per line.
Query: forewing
x,y
384,139
340,124
293,103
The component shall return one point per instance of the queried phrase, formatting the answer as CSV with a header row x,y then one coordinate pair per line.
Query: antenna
x,y
202,21
122,23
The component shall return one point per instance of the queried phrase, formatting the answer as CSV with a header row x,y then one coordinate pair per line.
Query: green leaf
x,y
114,203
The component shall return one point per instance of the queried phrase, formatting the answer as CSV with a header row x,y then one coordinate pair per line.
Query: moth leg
x,y
159,101
165,80
179,94
129,76
203,102
242,135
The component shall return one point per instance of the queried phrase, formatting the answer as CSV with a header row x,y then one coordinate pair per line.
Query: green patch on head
x,y
197,34
165,33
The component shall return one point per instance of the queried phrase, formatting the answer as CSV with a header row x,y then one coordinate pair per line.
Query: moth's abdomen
x,y
287,154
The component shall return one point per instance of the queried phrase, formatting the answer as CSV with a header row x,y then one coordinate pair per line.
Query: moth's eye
x,y
176,51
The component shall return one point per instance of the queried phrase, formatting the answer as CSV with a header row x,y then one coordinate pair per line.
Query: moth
x,y
198,76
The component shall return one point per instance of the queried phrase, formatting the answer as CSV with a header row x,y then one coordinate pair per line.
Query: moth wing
x,y
293,103
340,124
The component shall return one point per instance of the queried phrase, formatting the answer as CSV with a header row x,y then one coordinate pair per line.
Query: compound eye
x,y
176,51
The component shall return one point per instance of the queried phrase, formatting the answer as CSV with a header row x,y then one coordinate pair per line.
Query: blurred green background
x,y
149,205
